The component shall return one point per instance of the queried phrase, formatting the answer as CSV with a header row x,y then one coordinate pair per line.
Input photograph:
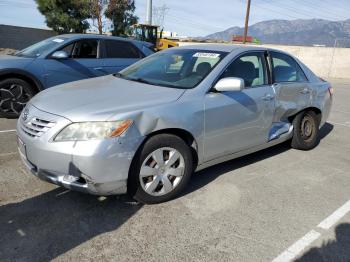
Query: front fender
x,y
15,72
186,116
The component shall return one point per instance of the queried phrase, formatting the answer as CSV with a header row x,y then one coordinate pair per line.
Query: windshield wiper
x,y
144,81
141,80
118,75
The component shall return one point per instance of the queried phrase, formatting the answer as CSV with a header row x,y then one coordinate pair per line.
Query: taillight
x,y
330,90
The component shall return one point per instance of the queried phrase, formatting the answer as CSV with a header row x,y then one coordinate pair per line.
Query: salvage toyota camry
x,y
146,129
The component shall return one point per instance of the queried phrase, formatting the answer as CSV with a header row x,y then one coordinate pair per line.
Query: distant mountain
x,y
294,32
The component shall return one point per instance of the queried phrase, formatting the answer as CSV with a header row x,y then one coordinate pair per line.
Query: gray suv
x,y
146,129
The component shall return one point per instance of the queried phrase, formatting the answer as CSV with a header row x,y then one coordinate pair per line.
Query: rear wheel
x,y
14,95
161,170
306,131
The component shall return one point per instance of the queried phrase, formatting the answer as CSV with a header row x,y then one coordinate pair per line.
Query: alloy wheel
x,y
13,98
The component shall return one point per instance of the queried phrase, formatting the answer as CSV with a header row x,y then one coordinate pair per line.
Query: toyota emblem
x,y
25,114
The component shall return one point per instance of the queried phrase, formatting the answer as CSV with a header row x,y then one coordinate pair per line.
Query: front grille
x,y
36,127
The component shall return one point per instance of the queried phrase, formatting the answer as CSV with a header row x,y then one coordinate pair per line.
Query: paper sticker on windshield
x,y
206,55
58,40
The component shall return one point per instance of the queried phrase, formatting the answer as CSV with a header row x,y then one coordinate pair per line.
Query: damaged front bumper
x,y
97,167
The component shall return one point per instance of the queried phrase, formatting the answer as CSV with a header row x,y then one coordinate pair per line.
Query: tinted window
x,y
68,49
120,49
249,67
83,49
286,69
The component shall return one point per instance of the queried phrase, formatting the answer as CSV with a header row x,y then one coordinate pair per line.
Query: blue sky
x,y
200,17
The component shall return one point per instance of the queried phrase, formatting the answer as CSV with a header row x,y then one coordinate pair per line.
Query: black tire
x,y
15,93
306,131
152,144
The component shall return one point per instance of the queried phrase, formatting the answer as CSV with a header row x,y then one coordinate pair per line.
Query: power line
x,y
274,11
201,28
292,11
335,4
19,4
195,23
302,12
319,9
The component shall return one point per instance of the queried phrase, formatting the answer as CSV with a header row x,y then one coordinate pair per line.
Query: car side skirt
x,y
281,139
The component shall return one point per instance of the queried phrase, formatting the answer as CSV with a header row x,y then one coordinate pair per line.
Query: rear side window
x,y
286,69
121,49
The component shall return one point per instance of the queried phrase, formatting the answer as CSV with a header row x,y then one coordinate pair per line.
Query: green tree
x,y
121,14
97,8
65,16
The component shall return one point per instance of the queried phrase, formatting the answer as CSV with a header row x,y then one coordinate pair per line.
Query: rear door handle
x,y
268,97
98,68
305,91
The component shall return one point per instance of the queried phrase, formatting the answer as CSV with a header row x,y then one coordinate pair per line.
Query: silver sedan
x,y
146,129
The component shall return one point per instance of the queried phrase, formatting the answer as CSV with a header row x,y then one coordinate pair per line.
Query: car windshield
x,y
43,46
177,68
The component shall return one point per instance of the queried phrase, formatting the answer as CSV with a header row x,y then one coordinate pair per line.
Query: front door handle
x,y
305,91
268,97
98,68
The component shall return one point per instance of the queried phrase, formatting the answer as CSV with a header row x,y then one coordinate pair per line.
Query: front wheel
x,y
160,170
306,131
14,95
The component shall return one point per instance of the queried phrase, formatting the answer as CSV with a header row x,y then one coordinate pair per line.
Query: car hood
x,y
100,98
10,61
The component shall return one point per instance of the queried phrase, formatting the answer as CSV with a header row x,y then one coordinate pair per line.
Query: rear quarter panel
x,y
322,99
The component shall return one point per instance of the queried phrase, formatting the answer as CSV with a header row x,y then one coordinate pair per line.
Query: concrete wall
x,y
15,37
327,62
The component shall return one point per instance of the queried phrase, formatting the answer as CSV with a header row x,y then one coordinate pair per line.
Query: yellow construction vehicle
x,y
151,34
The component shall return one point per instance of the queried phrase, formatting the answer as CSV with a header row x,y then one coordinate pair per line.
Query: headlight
x,y
93,130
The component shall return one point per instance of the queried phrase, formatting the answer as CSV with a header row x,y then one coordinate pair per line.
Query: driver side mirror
x,y
229,84
60,55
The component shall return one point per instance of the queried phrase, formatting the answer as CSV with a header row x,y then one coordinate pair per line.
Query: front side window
x,y
250,67
120,49
83,49
178,68
286,69
68,49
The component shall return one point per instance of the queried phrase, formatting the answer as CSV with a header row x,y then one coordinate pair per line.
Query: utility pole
x,y
149,12
246,22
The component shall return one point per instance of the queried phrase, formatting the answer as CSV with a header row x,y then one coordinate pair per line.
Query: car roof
x,y
226,47
96,36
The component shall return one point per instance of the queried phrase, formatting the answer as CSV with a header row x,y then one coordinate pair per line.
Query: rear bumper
x,y
327,106
95,167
